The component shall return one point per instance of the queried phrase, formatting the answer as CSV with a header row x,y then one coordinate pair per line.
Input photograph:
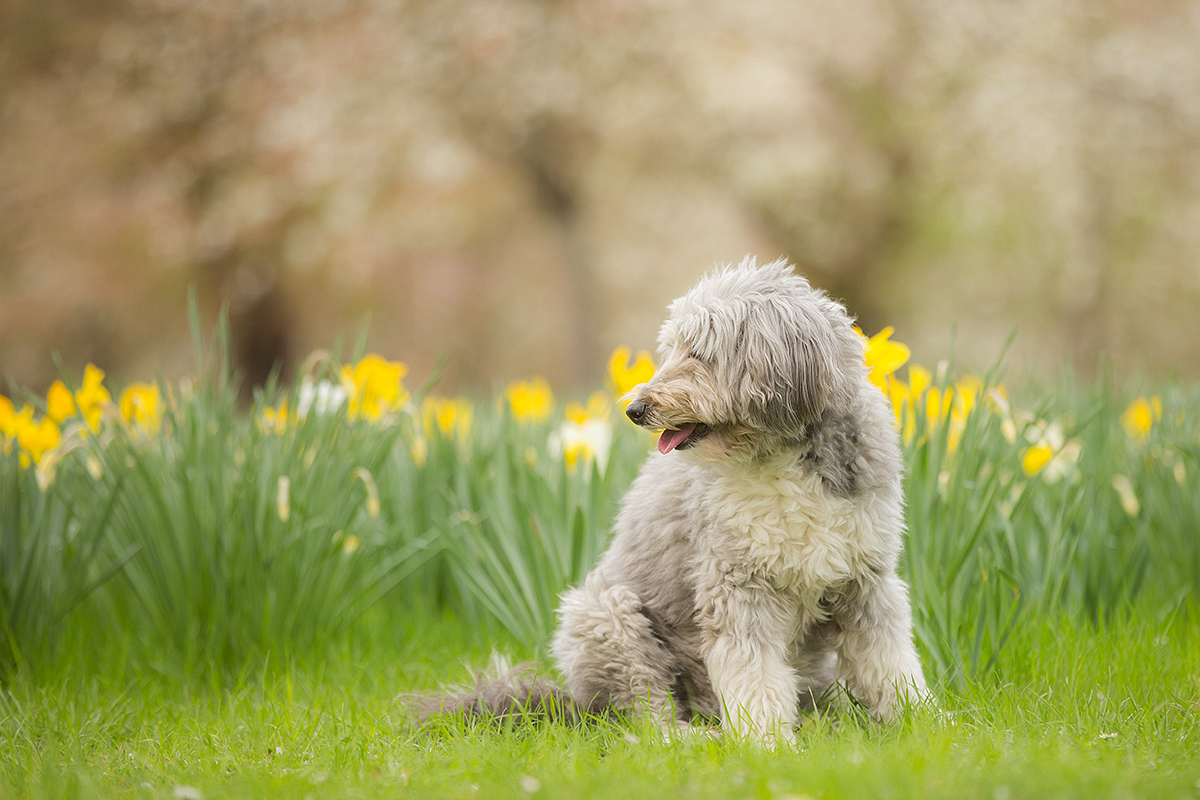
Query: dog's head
x,y
750,354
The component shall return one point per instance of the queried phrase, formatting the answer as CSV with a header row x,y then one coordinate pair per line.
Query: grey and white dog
x,y
753,562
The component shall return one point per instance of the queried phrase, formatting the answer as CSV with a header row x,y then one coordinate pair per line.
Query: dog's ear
x,y
792,373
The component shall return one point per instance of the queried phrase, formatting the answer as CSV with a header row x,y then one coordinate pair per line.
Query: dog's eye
x,y
695,354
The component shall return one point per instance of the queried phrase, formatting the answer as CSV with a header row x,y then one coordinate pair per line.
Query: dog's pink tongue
x,y
672,439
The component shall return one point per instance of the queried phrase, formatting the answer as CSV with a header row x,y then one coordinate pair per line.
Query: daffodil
x,y
905,397
1036,458
966,394
626,376
92,398
901,396
884,356
451,416
919,380
375,387
8,418
938,404
47,446
140,406
274,420
598,405
1139,417
530,401
581,442
585,434
950,406
60,403
35,438
579,449
1051,456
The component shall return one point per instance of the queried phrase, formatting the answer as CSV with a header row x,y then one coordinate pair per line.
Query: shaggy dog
x,y
754,559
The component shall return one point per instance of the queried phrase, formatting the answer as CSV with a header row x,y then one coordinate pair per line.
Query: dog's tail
x,y
502,693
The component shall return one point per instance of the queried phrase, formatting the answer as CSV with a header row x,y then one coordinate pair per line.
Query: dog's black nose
x,y
636,411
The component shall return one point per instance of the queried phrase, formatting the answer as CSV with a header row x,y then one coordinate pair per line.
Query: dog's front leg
x,y
876,653
747,627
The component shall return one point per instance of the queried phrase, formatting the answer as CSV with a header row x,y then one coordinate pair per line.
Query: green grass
x,y
1070,711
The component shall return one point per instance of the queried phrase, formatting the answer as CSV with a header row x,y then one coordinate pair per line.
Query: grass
x,y
220,606
1120,721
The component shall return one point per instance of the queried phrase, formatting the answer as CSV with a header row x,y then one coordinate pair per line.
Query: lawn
x,y
1070,711
203,599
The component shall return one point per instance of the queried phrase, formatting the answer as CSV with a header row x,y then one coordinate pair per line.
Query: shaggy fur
x,y
753,562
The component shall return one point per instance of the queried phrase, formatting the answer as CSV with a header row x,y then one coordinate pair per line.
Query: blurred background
x,y
525,184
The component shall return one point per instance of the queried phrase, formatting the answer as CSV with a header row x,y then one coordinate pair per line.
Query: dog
x,y
753,562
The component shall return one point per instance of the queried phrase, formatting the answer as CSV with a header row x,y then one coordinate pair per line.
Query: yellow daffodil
x,y
938,404
576,451
1036,458
274,420
60,403
626,376
581,442
950,406
919,380
451,416
35,438
375,387
884,356
586,432
1052,457
907,397
8,418
92,398
966,394
1139,417
140,405
598,405
530,401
